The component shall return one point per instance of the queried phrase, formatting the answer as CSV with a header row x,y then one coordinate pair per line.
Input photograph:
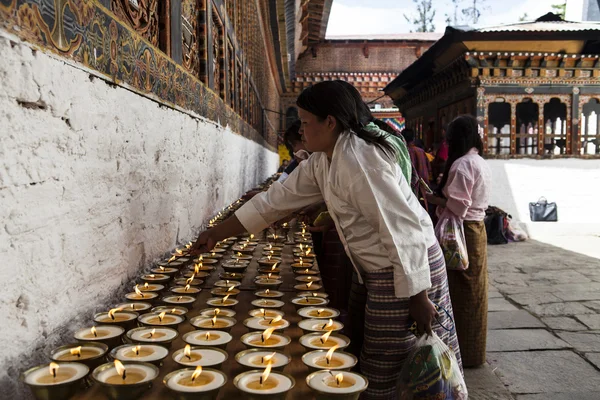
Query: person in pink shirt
x,y
465,191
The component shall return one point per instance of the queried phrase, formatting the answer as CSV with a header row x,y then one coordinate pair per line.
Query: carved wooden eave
x,y
314,19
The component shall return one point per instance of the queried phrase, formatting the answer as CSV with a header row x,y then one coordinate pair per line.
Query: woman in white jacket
x,y
386,233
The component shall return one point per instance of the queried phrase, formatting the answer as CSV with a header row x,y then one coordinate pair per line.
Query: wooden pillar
x,y
541,128
573,122
513,127
176,34
480,113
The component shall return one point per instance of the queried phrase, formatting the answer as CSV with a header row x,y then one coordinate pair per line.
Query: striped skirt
x,y
387,339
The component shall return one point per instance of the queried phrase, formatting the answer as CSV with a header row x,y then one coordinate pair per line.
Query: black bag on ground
x,y
543,211
496,225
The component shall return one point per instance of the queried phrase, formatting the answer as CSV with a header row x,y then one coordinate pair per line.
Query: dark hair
x,y
408,134
462,135
336,99
292,135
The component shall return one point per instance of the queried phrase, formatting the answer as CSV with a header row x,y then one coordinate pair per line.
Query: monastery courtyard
x,y
543,322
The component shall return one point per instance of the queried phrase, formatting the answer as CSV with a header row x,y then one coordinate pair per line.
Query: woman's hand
x,y
422,310
205,243
433,199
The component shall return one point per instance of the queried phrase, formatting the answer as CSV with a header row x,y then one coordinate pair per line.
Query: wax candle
x,y
125,380
203,356
309,301
161,319
55,380
318,312
192,281
319,341
155,335
138,295
267,303
208,338
260,323
306,279
339,385
115,316
151,353
183,299
260,358
227,284
187,289
322,295
267,283
205,381
161,269
329,359
319,325
268,293
221,302
216,322
264,383
153,278
107,334
220,312
265,313
308,286
231,276
232,292
266,339
79,352
178,310
137,306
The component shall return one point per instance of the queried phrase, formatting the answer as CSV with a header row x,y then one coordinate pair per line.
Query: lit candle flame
x,y
120,369
213,254
265,374
276,319
239,254
252,236
152,276
196,269
301,247
226,282
161,268
112,312
328,324
225,299
214,320
267,334
152,332
137,349
188,351
308,251
179,252
306,271
268,358
217,311
301,262
187,287
303,231
270,246
132,305
179,298
146,286
273,267
319,311
269,275
264,313
315,294
325,337
162,315
309,284
174,311
269,257
339,378
329,354
231,288
138,291
207,336
76,351
94,331
190,280
171,259
198,371
53,367
200,259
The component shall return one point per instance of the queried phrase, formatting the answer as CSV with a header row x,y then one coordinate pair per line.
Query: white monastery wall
x,y
96,182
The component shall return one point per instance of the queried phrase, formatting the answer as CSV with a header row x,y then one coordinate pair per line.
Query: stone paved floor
x,y
544,324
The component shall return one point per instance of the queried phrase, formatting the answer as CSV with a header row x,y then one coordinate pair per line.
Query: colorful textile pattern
x,y
88,33
397,123
387,340
469,292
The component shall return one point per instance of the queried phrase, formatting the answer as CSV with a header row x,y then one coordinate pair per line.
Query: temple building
x,y
534,87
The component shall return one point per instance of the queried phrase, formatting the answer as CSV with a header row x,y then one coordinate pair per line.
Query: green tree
x,y
423,20
560,9
473,12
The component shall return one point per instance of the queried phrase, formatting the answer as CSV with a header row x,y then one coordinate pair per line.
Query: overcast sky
x,y
361,17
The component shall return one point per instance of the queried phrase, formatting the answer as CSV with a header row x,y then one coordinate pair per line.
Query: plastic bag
x,y
449,233
431,371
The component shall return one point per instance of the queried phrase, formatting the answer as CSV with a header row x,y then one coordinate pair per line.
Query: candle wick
x,y
194,378
54,372
124,374
322,342
189,356
95,334
261,380
262,336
